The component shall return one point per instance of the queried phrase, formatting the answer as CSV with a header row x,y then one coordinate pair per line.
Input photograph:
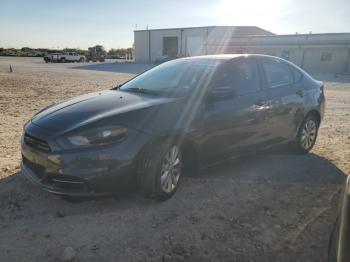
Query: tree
x,y
26,49
119,53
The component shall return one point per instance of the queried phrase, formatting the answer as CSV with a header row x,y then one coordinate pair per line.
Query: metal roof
x,y
245,31
239,30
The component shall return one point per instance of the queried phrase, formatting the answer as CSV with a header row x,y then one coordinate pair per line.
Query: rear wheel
x,y
159,171
62,60
307,135
81,60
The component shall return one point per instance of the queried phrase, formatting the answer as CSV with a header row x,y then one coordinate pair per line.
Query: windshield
x,y
174,78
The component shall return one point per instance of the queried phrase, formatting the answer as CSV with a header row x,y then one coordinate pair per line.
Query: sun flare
x,y
248,12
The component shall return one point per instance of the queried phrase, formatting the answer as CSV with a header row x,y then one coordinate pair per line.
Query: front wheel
x,y
160,171
307,135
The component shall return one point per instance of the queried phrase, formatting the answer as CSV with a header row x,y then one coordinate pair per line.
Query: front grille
x,y
36,143
69,184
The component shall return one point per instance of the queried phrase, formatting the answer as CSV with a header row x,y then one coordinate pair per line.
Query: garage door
x,y
194,46
170,46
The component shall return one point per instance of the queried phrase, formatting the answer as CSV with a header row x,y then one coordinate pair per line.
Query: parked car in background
x,y
96,54
178,116
51,57
64,57
339,248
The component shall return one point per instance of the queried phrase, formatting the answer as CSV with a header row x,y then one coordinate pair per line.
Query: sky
x,y
83,23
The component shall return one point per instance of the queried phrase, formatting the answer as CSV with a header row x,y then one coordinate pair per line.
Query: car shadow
x,y
128,68
272,203
270,166
277,166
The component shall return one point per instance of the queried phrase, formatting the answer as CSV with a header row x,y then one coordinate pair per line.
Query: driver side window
x,y
240,74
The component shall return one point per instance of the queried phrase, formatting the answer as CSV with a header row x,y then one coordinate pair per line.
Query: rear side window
x,y
240,74
277,73
297,75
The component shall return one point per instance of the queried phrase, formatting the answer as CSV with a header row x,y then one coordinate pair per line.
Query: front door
x,y
234,124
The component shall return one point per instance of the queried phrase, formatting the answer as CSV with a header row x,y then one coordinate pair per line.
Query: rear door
x,y
234,124
284,96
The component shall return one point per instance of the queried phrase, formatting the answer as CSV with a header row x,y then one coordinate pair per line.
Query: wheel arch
x,y
314,113
188,148
303,116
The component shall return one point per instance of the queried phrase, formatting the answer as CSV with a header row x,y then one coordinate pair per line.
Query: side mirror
x,y
222,92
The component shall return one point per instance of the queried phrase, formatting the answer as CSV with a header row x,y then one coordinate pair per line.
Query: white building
x,y
321,53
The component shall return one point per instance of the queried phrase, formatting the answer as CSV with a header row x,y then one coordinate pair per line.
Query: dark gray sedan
x,y
172,119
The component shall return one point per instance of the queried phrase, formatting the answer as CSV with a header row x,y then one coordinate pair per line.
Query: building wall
x,y
184,39
305,51
157,41
191,36
309,58
295,53
141,41
202,36
336,64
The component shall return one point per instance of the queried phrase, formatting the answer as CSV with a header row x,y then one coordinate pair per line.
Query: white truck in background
x,y
64,57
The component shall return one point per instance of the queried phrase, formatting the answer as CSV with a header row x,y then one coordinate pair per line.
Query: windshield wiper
x,y
141,90
116,87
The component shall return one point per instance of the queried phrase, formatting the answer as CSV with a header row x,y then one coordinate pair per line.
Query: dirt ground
x,y
271,206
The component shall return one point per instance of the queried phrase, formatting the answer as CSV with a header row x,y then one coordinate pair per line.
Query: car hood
x,y
86,109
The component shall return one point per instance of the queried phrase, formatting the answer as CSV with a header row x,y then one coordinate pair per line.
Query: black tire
x,y
150,172
82,60
62,60
299,145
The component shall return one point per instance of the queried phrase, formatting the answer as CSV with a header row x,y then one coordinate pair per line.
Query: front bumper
x,y
86,172
63,186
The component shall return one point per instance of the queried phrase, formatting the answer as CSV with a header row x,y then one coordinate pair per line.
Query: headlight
x,y
94,137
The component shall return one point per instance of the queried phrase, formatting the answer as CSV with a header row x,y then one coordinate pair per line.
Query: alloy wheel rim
x,y
171,169
308,134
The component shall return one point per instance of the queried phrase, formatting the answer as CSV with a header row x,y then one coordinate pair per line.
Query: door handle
x,y
300,93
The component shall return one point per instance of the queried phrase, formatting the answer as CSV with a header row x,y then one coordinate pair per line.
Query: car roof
x,y
228,56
